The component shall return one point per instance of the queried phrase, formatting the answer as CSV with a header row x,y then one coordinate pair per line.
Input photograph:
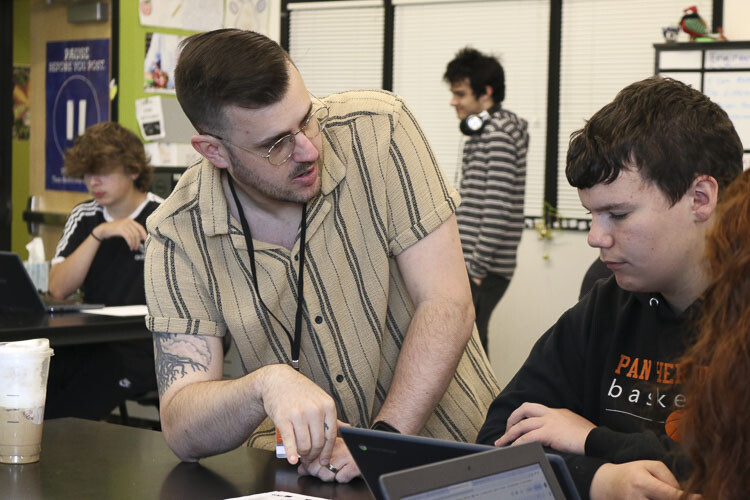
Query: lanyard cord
x,y
297,339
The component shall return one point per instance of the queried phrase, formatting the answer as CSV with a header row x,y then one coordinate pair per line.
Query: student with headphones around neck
x,y
493,176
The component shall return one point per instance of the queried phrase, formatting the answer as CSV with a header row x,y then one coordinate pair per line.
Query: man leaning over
x,y
344,193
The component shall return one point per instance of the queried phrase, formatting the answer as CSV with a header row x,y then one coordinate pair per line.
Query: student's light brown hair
x,y
106,147
715,429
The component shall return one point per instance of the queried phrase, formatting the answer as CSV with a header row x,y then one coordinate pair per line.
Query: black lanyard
x,y
296,340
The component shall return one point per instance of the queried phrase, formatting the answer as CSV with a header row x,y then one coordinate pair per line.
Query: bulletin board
x,y
132,51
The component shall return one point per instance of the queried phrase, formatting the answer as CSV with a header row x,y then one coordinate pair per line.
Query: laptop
x,y
377,453
520,472
18,295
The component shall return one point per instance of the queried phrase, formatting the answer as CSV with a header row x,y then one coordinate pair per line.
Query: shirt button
x,y
318,319
296,256
339,378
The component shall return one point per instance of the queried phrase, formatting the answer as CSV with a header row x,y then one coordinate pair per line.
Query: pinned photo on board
x,y
160,62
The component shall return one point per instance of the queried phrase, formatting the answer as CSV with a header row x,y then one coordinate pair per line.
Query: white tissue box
x,y
39,273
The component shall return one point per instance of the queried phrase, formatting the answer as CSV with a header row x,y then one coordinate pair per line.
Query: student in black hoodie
x,y
601,387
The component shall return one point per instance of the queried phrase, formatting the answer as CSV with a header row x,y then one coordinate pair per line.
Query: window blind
x,y
427,36
606,45
337,46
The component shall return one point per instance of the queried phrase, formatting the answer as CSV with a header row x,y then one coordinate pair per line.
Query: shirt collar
x,y
213,206
149,197
333,168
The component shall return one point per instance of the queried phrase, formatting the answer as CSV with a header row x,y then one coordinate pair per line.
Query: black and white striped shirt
x,y
490,218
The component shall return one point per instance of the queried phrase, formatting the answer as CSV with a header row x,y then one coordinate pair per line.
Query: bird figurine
x,y
694,25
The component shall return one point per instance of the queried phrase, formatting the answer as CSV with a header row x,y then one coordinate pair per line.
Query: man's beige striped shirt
x,y
382,191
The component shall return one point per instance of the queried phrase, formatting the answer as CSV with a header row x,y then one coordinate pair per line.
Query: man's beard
x,y
246,176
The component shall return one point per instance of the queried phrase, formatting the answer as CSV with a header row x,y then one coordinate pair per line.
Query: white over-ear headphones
x,y
473,124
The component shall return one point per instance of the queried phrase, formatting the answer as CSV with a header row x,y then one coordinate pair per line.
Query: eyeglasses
x,y
283,148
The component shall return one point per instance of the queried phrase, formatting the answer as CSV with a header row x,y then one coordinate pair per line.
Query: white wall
x,y
540,291
737,20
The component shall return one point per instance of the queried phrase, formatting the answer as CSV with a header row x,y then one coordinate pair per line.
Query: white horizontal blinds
x,y
427,36
337,45
606,45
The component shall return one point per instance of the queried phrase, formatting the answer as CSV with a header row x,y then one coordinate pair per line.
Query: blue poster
x,y
77,97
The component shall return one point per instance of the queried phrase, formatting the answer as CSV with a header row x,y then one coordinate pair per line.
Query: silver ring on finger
x,y
332,469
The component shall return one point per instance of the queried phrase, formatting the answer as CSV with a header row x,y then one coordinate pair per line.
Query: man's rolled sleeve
x,y
176,297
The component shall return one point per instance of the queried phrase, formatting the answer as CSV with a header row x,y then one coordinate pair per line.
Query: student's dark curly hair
x,y
107,147
668,131
480,69
715,430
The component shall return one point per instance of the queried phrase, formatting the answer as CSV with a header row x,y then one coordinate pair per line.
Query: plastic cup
x,y
24,367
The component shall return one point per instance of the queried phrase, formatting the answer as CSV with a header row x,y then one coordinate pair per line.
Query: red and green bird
x,y
693,24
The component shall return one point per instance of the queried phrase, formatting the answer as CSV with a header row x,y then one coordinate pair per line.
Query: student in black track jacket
x,y
602,386
101,253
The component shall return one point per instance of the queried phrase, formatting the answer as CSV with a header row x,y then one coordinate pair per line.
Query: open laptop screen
x,y
377,452
18,294
518,473
524,483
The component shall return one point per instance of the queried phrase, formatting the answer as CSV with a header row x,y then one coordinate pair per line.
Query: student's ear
x,y
487,94
705,195
211,149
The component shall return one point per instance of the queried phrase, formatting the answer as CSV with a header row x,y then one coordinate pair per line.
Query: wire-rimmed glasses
x,y
283,149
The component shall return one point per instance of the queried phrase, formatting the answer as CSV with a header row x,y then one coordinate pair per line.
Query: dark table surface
x,y
72,328
83,459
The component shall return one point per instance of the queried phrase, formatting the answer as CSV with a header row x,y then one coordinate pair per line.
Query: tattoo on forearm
x,y
175,355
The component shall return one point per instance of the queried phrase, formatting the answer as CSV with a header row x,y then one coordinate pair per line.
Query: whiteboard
x,y
731,91
692,78
727,59
681,59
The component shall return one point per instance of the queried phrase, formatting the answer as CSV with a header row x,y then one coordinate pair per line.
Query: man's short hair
x,y
228,67
105,148
481,70
668,131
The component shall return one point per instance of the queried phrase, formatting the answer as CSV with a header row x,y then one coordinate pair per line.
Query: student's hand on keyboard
x,y
557,428
644,479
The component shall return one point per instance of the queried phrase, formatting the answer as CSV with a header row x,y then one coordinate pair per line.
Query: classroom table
x,y
89,459
72,328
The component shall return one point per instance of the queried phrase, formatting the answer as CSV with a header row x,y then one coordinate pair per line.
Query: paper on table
x,y
274,495
119,311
